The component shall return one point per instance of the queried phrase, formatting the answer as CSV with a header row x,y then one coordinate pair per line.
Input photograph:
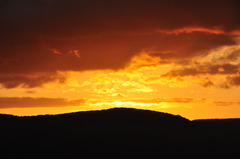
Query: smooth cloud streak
x,y
28,102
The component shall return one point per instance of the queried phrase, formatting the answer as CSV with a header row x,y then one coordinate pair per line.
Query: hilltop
x,y
118,133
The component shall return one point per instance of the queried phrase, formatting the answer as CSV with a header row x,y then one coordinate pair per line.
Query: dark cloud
x,y
230,71
12,81
28,102
204,69
94,34
206,82
234,80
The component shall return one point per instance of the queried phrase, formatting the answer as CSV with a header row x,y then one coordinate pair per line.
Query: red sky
x,y
175,56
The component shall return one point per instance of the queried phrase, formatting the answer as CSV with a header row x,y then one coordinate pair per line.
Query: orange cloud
x,y
55,51
75,52
188,30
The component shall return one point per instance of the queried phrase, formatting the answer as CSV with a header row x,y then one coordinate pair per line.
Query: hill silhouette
x,y
118,133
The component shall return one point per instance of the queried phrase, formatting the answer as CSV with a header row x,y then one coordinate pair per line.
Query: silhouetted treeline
x,y
118,133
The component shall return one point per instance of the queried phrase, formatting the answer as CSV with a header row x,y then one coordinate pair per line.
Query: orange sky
x,y
180,57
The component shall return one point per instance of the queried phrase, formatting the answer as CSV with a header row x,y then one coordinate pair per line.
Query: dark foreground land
x,y
118,133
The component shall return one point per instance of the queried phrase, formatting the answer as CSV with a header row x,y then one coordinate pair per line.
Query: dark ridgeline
x,y
118,133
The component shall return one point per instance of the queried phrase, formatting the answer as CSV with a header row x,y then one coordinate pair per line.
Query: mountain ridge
x,y
118,133
110,109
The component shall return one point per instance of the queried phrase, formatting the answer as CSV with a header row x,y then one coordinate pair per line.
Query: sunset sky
x,y
175,56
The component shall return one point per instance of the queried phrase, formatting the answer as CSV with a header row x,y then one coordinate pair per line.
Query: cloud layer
x,y
44,37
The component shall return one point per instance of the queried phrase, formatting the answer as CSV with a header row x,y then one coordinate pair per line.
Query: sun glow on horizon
x,y
201,84
131,104
146,82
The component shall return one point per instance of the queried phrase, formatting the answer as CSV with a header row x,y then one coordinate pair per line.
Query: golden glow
x,y
131,104
140,85
155,55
